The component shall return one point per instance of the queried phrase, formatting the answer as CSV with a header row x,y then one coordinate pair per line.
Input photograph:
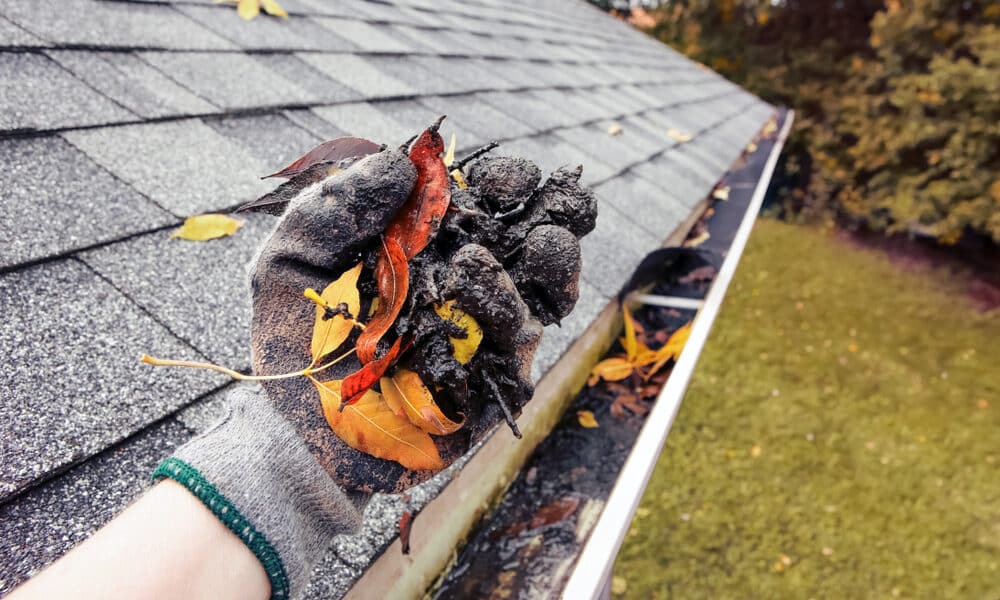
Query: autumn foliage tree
x,y
897,103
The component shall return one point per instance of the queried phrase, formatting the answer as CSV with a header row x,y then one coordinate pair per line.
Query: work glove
x,y
506,254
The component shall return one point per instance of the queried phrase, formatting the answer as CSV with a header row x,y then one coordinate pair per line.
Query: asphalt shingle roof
x,y
120,118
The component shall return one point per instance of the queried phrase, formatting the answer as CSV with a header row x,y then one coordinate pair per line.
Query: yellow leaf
x,y
679,136
201,228
406,394
449,156
329,334
610,369
459,179
273,8
586,419
369,425
721,193
697,240
615,129
751,148
248,9
629,342
672,349
465,348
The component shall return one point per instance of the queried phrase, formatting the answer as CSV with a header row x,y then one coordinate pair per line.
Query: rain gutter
x,y
591,576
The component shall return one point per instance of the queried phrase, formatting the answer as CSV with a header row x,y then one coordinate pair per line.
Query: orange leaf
x,y
329,334
672,349
405,393
392,274
370,426
363,379
610,369
629,342
586,419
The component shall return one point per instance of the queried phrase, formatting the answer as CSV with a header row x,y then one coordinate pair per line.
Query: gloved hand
x,y
274,471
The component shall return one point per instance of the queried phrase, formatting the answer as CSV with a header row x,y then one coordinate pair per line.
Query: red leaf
x,y
405,524
392,275
356,384
332,151
555,511
419,218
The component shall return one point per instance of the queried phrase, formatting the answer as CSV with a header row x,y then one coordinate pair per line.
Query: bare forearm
x,y
166,545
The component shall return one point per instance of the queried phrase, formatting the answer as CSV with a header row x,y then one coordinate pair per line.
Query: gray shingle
x,y
357,73
308,78
419,72
596,141
367,37
364,120
310,121
479,118
200,291
60,407
98,23
650,207
42,525
210,173
56,200
528,109
132,83
416,115
298,33
613,250
229,80
14,36
594,170
272,139
33,93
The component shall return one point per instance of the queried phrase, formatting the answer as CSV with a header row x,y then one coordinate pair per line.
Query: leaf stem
x,y
308,371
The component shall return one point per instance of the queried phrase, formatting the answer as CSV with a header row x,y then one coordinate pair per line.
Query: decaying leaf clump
x,y
429,321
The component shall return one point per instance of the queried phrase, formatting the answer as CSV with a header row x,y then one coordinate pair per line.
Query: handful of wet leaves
x,y
423,336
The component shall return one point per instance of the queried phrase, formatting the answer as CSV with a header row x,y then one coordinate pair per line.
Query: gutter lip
x,y
592,572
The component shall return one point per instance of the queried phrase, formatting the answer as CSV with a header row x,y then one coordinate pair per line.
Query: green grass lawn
x,y
841,438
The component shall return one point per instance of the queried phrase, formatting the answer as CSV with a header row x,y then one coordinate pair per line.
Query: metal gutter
x,y
592,572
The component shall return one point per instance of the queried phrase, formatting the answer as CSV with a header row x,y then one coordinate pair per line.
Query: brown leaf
x,y
555,511
392,275
406,394
333,151
405,524
329,334
631,402
370,426
275,201
704,273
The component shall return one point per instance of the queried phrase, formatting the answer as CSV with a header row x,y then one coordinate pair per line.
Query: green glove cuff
x,y
225,511
259,478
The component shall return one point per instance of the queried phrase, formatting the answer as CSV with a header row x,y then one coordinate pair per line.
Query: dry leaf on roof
x,y
586,419
721,193
202,228
330,333
679,136
406,394
697,239
369,425
249,9
615,129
